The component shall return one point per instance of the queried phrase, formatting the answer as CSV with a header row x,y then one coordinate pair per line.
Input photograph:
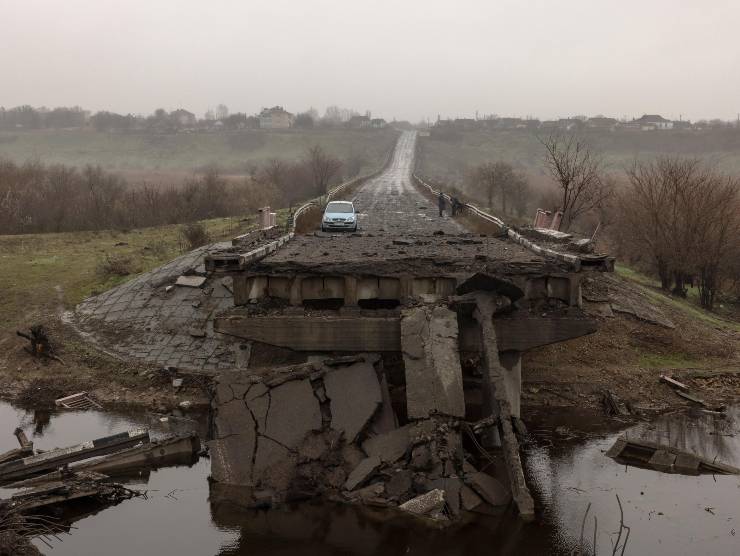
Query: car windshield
x,y
339,207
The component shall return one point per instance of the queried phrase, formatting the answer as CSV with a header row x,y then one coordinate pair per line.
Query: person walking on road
x,y
442,204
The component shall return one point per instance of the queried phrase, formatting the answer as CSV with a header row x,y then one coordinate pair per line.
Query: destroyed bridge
x,y
380,367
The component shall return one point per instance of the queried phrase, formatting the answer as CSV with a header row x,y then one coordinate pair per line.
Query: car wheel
x,y
323,229
355,228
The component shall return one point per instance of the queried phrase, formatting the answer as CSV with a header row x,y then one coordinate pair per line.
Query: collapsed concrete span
x,y
449,330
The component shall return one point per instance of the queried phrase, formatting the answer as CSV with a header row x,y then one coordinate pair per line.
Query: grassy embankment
x,y
690,306
41,273
172,158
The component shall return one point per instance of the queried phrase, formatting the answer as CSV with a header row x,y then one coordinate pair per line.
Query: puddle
x,y
182,516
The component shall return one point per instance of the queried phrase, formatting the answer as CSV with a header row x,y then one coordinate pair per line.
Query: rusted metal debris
x,y
81,400
642,453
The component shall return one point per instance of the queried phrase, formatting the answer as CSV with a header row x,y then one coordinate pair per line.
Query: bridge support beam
x,y
502,387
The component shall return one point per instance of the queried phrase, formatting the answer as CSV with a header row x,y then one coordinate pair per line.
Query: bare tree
x,y
578,173
485,177
687,218
323,168
499,177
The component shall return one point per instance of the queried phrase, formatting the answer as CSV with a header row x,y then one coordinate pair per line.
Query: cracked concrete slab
x,y
431,362
354,397
294,411
362,472
391,446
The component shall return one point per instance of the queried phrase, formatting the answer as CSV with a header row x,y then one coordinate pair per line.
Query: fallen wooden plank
x,y
15,454
673,382
33,465
709,374
690,397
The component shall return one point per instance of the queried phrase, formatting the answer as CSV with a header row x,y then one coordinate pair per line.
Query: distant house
x,y
601,122
653,121
378,123
359,122
275,118
183,118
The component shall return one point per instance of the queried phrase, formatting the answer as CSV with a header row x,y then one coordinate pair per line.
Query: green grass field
x,y
183,153
43,271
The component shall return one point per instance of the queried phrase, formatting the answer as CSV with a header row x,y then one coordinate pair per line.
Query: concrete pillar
x,y
241,292
511,361
406,284
296,298
350,291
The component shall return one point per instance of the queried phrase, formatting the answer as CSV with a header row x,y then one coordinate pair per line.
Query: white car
x,y
339,215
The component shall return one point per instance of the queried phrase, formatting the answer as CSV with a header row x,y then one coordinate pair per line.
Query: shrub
x,y
117,265
194,234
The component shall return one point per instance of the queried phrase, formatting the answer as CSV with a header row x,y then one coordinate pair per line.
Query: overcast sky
x,y
408,59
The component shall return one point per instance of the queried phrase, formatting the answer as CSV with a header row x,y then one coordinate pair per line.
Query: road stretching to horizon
x,y
391,203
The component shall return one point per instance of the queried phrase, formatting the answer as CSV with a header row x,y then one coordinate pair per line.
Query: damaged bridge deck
x,y
431,322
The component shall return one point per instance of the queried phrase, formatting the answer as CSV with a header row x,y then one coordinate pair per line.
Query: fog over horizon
x,y
405,60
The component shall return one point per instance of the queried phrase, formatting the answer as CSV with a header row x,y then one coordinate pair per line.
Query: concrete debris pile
x,y
330,428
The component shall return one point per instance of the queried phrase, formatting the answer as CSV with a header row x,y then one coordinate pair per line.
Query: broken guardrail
x,y
577,262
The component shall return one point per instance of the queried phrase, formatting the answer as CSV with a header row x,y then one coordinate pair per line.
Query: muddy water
x,y
565,462
668,514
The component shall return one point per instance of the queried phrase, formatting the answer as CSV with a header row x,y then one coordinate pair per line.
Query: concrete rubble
x,y
430,354
311,430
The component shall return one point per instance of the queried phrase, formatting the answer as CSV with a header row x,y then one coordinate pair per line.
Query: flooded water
x,y
566,465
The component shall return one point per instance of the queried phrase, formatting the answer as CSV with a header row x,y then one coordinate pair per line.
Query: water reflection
x,y
185,515
325,528
667,513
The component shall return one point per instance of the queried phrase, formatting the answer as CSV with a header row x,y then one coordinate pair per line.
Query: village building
x,y
653,121
359,122
183,118
602,122
275,118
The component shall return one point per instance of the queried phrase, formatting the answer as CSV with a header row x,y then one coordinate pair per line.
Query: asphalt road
x,y
390,203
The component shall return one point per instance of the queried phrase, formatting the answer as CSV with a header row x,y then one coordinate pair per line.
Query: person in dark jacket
x,y
454,205
442,204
